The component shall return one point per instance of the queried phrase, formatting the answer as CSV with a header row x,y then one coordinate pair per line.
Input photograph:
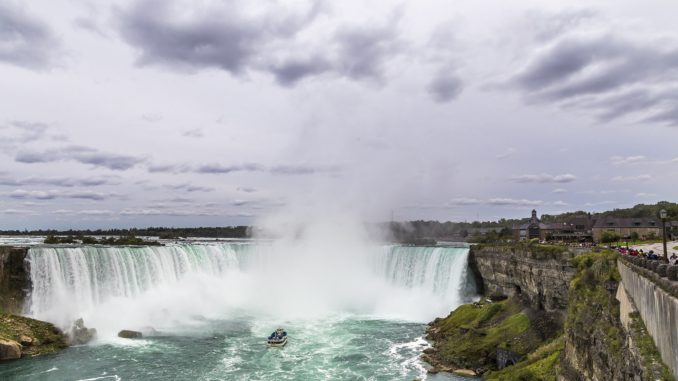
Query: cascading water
x,y
73,282
352,312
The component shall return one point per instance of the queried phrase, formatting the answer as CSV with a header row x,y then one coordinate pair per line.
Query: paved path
x,y
658,247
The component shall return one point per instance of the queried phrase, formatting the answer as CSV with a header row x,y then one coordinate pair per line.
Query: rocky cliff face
x,y
539,275
581,290
14,279
601,343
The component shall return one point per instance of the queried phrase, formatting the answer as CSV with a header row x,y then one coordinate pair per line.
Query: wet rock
x,y
465,372
25,341
129,334
80,334
672,272
9,350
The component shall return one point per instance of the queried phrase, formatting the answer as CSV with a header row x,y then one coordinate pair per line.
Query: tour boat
x,y
277,338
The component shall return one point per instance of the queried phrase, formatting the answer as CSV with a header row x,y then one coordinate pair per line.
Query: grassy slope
x,y
50,339
539,365
470,335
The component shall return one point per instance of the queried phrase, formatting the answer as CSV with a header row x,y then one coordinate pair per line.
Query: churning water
x,y
207,308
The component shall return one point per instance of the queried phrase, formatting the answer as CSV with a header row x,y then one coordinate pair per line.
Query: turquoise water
x,y
346,348
352,313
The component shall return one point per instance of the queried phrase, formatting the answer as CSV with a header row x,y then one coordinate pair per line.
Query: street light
x,y
662,215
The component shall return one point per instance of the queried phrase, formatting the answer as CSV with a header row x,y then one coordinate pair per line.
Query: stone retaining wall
x,y
655,298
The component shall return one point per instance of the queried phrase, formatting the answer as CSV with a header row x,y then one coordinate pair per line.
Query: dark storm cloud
x,y
544,178
445,87
25,40
609,74
223,36
216,36
84,155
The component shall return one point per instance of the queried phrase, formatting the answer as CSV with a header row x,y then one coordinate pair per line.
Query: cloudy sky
x,y
208,112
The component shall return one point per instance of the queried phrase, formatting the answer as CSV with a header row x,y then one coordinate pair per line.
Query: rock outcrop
x,y
129,334
79,334
33,337
9,350
14,279
539,275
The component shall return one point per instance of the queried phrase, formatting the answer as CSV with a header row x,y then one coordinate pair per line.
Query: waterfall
x,y
128,287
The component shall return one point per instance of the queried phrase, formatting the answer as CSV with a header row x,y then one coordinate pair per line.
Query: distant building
x,y
577,229
672,230
624,227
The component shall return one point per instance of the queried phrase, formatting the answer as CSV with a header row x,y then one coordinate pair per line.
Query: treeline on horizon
x,y
410,231
503,228
160,232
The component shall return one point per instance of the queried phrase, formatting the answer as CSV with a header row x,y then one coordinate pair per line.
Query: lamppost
x,y
662,215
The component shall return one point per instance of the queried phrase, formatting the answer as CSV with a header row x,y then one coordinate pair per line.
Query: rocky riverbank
x,y
25,337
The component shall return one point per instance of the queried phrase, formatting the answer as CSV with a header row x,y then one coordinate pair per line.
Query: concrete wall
x,y
659,311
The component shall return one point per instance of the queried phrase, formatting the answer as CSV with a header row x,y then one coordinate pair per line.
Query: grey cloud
x,y
194,133
188,188
18,212
86,212
611,75
54,194
445,87
293,70
365,50
57,181
513,202
544,178
151,118
302,169
217,36
164,212
82,155
547,26
464,201
222,169
19,132
627,159
246,189
171,168
88,24
25,41
222,36
632,178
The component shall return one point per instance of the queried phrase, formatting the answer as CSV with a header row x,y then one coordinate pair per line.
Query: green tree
x,y
609,237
